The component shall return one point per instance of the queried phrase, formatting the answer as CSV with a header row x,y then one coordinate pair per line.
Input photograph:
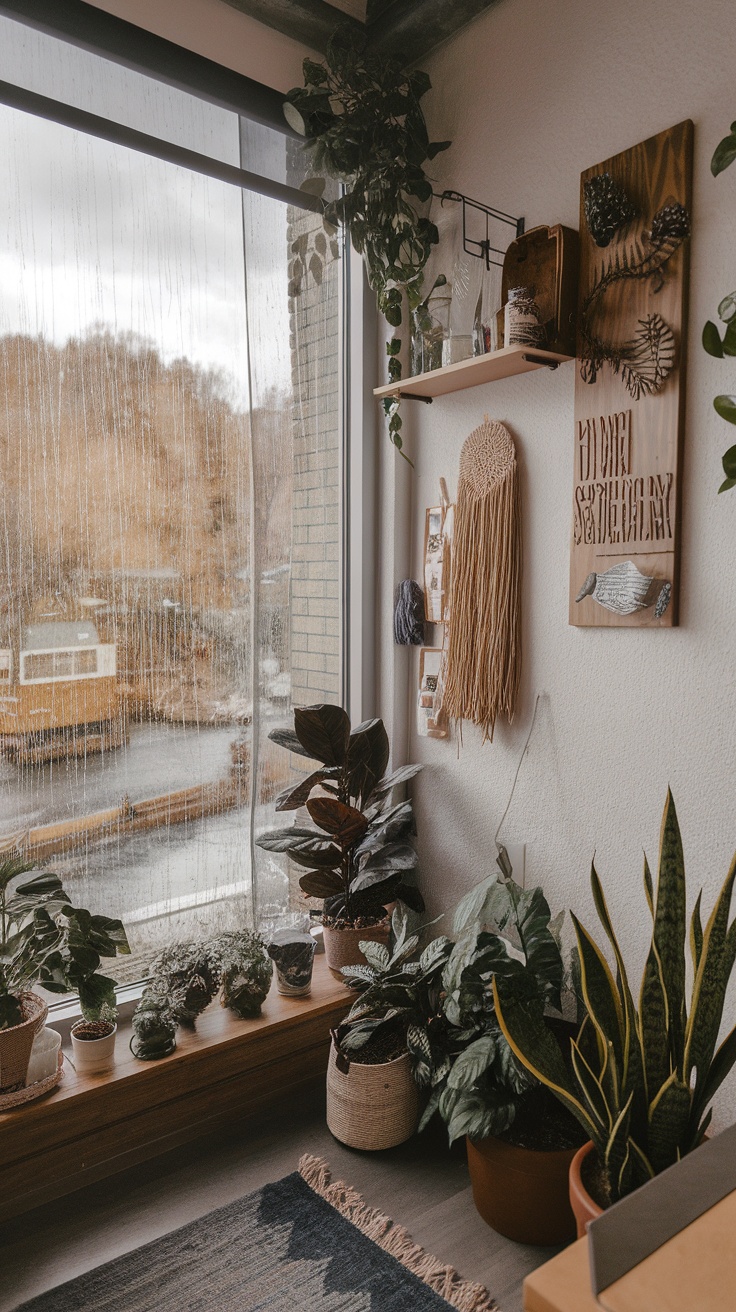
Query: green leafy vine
x,y
364,125
724,404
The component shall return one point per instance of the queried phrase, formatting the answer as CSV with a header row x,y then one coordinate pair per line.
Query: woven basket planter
x,y
341,945
16,1043
371,1107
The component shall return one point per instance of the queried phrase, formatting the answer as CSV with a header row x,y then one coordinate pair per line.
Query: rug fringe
x,y
464,1295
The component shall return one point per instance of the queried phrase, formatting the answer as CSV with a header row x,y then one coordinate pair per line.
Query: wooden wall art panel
x,y
630,384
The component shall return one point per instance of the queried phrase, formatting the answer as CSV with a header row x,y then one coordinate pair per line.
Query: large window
x,y
170,459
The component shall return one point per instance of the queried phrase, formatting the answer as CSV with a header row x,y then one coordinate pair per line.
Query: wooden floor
x,y
421,1184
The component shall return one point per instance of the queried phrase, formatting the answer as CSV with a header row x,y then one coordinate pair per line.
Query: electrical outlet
x,y
517,857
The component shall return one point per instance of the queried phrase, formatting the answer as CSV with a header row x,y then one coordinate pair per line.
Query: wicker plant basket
x,y
371,1107
16,1043
341,945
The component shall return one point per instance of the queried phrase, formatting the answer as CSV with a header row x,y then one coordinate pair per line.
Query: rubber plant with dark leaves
x,y
357,855
46,941
724,404
461,1056
641,1078
364,125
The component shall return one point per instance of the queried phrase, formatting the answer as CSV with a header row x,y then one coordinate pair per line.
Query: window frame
x,y
112,38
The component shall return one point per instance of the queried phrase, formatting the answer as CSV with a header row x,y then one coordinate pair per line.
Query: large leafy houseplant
x,y
357,853
361,115
46,941
474,1079
641,1077
724,404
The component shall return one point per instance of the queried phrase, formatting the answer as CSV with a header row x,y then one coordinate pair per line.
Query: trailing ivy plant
x,y
725,404
364,125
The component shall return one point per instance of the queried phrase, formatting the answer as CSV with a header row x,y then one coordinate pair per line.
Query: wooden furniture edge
x,y
220,1074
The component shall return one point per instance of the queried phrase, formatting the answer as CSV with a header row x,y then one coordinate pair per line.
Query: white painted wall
x,y
531,94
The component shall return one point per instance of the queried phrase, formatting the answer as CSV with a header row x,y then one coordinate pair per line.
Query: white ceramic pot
x,y
44,1056
93,1056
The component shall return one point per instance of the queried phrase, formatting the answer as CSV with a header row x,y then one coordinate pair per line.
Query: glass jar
x,y
430,329
522,319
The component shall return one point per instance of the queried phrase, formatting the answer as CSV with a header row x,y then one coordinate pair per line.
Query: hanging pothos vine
x,y
725,404
364,125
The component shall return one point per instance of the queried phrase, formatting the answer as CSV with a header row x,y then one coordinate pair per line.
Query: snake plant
x,y
641,1077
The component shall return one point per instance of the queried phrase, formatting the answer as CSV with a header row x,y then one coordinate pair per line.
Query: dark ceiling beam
x,y
310,21
406,28
412,30
93,29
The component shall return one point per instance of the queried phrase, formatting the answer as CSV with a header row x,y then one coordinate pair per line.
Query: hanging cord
x,y
518,768
409,615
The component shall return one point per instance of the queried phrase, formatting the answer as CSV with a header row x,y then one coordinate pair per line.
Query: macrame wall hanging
x,y
484,638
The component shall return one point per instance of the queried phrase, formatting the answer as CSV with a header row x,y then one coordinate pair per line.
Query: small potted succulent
x,y
639,1079
357,851
519,1143
189,976
372,1099
245,970
45,941
154,1027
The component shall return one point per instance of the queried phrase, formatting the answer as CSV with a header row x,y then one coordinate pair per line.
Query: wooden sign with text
x,y
630,384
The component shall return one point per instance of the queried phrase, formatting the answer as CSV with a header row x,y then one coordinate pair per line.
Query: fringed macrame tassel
x,y
461,1294
484,641
409,615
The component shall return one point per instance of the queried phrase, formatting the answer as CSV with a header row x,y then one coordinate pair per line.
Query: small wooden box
x,y
546,259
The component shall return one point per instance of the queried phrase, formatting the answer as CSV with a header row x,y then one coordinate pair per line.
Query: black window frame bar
x,y
90,28
107,129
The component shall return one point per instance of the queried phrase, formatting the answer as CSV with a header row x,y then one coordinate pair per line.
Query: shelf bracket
x,y
398,395
539,359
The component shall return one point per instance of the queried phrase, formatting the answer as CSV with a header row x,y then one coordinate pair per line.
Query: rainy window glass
x,y
170,456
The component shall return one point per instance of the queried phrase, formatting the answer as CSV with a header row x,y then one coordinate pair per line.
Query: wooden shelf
x,y
222,1071
506,363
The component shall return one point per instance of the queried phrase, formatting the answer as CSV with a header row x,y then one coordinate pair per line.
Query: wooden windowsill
x,y
94,1125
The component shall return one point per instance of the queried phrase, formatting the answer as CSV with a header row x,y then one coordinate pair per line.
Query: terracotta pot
x,y
371,1107
16,1043
584,1207
341,945
522,1192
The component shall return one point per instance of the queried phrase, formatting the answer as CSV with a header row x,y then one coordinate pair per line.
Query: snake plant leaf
x,y
601,995
696,933
654,1024
641,1165
669,1113
616,1158
526,1033
709,989
648,886
470,1064
592,1091
670,924
632,1056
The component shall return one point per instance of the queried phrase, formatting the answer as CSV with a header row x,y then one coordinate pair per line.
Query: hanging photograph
x,y
635,224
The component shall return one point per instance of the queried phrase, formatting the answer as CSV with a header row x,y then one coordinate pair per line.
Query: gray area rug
x,y
304,1243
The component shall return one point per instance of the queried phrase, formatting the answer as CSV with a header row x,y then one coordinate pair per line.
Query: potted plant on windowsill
x,y
93,1040
641,1079
372,1099
519,1146
45,941
357,852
